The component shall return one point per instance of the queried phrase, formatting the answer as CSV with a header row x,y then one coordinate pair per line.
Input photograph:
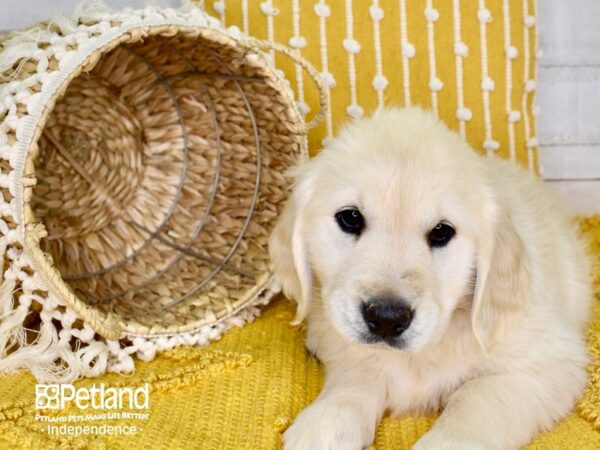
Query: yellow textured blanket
x,y
243,391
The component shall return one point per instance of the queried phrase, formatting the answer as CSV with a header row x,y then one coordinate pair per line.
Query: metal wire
x,y
158,233
252,207
177,196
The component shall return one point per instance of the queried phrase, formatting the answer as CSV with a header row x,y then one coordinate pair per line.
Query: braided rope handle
x,y
108,325
253,44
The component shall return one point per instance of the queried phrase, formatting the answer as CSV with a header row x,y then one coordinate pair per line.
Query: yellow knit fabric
x,y
243,391
503,44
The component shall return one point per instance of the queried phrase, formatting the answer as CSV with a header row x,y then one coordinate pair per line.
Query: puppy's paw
x,y
328,426
440,440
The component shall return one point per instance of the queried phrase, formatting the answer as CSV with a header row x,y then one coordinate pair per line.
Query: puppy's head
x,y
397,227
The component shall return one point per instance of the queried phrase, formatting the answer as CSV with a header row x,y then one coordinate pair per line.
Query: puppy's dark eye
x,y
441,234
350,221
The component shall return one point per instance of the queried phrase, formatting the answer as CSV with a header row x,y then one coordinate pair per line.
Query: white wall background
x,y
568,87
17,14
569,100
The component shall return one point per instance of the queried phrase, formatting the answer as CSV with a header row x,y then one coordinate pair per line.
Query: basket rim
x,y
110,325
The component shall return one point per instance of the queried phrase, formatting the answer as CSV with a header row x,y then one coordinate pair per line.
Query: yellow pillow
x,y
472,62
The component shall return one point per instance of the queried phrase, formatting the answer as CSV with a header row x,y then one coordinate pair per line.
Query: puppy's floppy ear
x,y
288,249
503,285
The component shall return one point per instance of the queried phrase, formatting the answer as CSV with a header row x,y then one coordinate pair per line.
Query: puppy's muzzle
x,y
387,318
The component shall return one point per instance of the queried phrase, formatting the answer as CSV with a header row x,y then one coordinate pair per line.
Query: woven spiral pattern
x,y
90,163
141,171
159,179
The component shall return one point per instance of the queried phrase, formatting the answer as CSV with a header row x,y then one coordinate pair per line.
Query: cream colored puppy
x,y
431,278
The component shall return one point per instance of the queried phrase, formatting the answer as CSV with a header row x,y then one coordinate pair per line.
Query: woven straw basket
x,y
142,158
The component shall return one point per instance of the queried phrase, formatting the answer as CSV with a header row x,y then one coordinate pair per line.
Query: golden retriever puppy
x,y
431,278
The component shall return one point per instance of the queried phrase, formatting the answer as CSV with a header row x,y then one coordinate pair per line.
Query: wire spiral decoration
x,y
160,177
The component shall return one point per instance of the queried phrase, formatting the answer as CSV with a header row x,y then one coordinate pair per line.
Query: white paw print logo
x,y
47,396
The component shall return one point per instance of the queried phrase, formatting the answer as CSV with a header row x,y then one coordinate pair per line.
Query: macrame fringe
x,y
58,354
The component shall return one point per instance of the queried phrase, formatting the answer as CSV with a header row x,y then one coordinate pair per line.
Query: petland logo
x,y
56,396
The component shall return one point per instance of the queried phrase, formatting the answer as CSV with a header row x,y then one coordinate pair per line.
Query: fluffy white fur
x,y
497,341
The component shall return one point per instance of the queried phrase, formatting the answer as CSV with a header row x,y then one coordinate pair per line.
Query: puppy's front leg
x,y
345,414
501,411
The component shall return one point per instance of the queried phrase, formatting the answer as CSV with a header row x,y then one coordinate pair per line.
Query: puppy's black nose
x,y
387,318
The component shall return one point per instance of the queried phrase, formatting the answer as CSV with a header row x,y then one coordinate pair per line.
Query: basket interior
x,y
159,178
